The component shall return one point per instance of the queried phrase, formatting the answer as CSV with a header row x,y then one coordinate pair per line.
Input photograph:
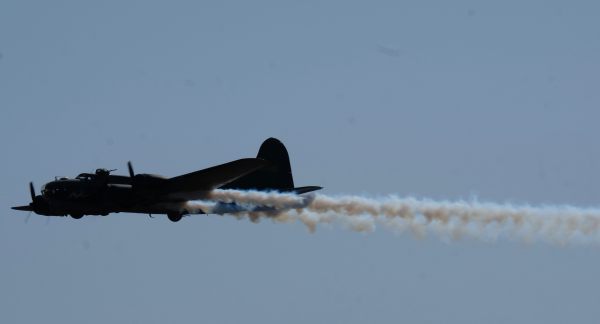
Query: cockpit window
x,y
84,176
54,192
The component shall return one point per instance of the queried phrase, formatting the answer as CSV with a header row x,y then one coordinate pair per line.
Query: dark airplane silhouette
x,y
101,193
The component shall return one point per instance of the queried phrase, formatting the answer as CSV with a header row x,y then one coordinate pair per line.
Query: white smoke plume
x,y
447,219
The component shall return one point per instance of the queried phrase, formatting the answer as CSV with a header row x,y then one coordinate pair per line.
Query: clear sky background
x,y
440,99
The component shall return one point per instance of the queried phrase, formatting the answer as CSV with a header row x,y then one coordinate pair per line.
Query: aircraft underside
x,y
174,210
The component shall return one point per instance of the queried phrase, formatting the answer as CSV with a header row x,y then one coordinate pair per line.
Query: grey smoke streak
x,y
448,219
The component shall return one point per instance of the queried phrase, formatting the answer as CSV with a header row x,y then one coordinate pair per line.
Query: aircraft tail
x,y
277,176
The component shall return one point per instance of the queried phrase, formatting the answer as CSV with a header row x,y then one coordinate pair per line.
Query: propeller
x,y
32,191
130,168
132,176
37,205
32,205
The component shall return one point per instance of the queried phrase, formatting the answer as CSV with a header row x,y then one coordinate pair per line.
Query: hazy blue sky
x,y
441,99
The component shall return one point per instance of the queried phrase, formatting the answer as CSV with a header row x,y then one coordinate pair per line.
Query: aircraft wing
x,y
194,185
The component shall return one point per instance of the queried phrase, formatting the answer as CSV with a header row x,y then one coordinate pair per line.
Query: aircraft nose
x,y
23,208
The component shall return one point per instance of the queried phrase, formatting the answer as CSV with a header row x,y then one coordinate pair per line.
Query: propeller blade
x,y
27,218
32,191
130,168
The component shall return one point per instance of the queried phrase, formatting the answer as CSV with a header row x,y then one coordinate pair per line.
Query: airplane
x,y
102,193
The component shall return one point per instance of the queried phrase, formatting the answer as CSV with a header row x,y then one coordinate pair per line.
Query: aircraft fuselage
x,y
102,193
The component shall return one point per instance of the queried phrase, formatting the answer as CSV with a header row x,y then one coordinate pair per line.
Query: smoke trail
x,y
273,199
553,223
447,219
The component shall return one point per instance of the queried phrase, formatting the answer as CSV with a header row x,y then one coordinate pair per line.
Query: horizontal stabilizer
x,y
301,190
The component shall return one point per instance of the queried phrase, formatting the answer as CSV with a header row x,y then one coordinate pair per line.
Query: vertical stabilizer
x,y
277,176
